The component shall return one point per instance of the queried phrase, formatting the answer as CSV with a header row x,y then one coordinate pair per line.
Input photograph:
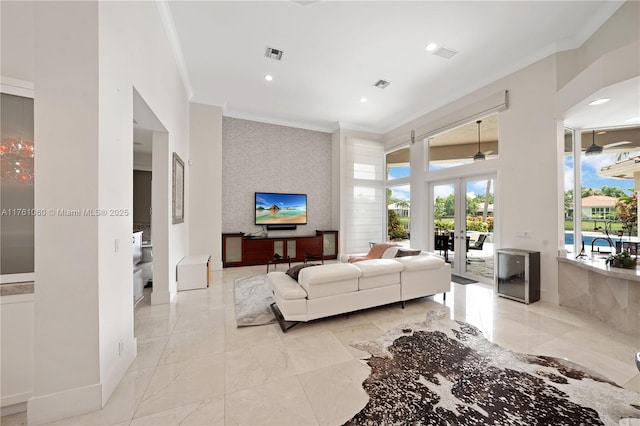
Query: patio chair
x,y
442,244
479,243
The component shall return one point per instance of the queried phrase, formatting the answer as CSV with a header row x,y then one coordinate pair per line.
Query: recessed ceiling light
x,y
363,100
431,47
268,77
601,133
599,101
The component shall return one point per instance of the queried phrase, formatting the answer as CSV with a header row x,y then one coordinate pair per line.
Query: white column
x,y
419,203
67,355
205,168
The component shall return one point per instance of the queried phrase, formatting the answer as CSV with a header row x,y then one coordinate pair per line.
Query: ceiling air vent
x,y
273,53
445,52
382,84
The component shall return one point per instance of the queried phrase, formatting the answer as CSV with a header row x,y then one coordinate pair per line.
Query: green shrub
x,y
474,223
477,226
395,228
444,224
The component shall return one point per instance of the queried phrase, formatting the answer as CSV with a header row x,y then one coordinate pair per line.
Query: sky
x,y
590,167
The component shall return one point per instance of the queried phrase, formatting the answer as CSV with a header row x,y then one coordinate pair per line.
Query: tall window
x,y
569,198
609,167
363,214
460,145
398,196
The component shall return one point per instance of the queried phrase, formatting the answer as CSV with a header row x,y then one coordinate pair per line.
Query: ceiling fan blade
x,y
611,145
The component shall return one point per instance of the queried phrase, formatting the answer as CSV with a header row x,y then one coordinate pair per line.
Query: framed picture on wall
x,y
177,201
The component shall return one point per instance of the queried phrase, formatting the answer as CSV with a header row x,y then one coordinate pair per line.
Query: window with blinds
x,y
364,206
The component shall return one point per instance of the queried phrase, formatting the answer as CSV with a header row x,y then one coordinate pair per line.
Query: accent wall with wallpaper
x,y
261,157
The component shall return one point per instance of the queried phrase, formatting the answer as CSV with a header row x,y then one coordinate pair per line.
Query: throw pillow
x,y
376,252
408,252
294,271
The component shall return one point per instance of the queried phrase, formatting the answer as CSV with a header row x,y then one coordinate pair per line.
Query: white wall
x,y
620,31
205,225
89,58
16,43
16,352
142,161
133,49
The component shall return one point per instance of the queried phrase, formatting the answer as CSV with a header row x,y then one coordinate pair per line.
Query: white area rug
x,y
253,297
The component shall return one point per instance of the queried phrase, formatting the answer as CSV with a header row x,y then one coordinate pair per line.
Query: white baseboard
x,y
48,408
15,399
7,410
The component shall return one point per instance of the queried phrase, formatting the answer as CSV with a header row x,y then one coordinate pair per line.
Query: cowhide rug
x,y
444,372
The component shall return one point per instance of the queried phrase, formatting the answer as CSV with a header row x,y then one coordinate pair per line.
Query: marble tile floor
x,y
195,367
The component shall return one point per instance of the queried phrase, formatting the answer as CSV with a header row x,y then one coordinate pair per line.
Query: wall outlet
x,y
523,234
120,347
117,245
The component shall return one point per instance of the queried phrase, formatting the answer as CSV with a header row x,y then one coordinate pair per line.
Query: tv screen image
x,y
273,208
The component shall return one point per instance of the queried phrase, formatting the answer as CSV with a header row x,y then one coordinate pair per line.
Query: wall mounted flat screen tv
x,y
281,209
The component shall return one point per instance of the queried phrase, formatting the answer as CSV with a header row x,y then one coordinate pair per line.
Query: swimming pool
x,y
588,239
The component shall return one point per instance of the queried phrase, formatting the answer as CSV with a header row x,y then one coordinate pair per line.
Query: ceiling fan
x,y
595,149
480,156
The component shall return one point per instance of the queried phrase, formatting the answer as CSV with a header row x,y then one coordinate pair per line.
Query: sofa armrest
x,y
285,286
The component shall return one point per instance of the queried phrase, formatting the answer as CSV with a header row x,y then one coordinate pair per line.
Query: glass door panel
x,y
463,225
398,215
444,223
479,225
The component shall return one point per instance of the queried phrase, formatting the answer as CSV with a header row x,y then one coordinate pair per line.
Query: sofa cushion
x,y
294,271
329,279
285,286
418,263
374,267
378,273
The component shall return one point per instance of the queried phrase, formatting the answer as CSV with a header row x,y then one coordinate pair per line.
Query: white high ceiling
x,y
334,51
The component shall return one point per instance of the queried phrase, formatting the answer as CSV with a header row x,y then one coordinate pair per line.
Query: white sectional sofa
x,y
337,288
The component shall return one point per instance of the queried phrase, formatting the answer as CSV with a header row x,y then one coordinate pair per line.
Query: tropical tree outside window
x,y
399,214
398,196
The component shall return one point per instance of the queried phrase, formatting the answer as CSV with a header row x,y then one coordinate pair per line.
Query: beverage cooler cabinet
x,y
518,275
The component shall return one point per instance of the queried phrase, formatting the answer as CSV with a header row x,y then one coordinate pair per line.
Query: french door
x,y
463,224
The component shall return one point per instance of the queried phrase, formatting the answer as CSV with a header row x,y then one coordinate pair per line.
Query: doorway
x,y
464,223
